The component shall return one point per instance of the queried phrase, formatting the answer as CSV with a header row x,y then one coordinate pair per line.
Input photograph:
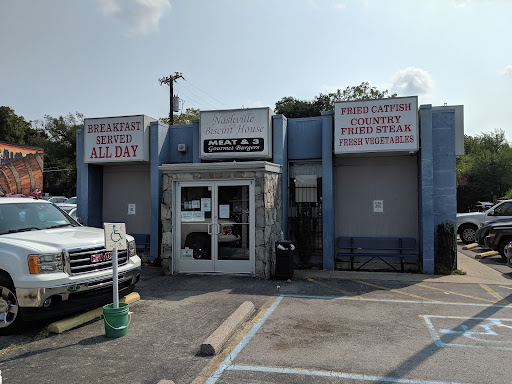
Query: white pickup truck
x,y
468,223
51,265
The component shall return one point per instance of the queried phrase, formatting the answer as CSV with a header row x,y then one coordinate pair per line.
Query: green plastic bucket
x,y
116,320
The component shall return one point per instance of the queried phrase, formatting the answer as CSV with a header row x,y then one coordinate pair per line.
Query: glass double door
x,y
215,227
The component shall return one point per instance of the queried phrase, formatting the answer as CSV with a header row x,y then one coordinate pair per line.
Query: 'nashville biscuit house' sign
x,y
383,125
116,139
242,133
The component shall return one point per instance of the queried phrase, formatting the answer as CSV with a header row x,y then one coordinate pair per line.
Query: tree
x,y
183,118
484,173
293,108
60,152
16,129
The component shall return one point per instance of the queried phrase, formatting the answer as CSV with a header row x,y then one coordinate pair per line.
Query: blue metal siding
x,y
181,134
305,138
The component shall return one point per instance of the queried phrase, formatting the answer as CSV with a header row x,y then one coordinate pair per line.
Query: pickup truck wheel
x,y
468,233
10,318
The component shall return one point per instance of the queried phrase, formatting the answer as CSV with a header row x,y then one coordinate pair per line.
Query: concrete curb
x,y
476,273
214,343
73,322
470,246
486,254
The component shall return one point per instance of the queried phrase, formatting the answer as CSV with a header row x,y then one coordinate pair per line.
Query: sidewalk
x,y
476,273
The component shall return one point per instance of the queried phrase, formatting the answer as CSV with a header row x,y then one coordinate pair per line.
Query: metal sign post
x,y
115,239
115,281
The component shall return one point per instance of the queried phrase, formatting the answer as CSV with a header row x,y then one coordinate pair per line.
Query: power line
x,y
194,100
206,93
199,97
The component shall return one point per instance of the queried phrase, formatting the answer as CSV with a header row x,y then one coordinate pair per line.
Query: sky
x,y
104,57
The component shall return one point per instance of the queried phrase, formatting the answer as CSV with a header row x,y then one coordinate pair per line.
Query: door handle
x,y
210,228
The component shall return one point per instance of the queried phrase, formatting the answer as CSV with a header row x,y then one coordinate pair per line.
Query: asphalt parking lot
x,y
320,327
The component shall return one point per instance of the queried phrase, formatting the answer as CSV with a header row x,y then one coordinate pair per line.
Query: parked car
x,y
500,234
51,265
195,236
55,199
468,223
68,204
67,208
480,206
508,254
72,213
483,231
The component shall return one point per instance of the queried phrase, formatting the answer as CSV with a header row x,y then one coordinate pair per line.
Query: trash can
x,y
284,260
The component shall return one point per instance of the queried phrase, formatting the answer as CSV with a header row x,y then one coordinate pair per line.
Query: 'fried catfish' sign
x,y
241,133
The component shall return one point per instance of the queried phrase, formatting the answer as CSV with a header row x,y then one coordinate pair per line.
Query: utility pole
x,y
170,82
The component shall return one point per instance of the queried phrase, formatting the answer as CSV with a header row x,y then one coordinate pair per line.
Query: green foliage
x,y
446,248
57,137
60,153
293,108
484,173
508,195
15,129
183,118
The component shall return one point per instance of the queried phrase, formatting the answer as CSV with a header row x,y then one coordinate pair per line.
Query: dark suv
x,y
483,231
499,236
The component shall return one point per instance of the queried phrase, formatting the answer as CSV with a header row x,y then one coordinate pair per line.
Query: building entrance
x,y
215,227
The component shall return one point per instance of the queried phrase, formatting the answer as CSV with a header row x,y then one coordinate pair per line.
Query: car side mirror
x,y
79,221
491,213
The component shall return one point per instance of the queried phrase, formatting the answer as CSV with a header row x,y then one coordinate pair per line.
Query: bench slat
x,y
359,247
381,248
378,254
142,241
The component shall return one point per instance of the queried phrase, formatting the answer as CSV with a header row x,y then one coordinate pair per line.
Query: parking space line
x,y
485,329
456,293
502,300
503,286
395,291
252,328
398,301
341,375
207,371
333,288
10,348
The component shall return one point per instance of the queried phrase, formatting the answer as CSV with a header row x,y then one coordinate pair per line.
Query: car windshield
x,y
71,200
22,217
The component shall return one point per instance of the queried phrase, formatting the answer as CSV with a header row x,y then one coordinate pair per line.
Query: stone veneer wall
x,y
268,208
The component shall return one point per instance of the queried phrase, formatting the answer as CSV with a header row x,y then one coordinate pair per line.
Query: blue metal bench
x,y
141,241
377,247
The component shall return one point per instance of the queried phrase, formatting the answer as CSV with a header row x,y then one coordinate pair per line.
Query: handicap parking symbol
x,y
471,332
115,236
